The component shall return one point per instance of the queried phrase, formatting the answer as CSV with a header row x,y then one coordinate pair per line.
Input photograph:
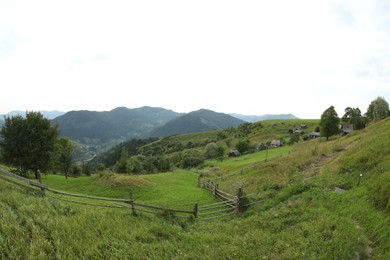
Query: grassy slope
x,y
301,216
170,189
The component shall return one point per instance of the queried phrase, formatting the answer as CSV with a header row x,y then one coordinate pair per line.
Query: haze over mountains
x,y
253,118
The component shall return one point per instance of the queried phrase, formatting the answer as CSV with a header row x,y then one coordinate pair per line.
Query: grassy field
x,y
172,189
219,168
300,216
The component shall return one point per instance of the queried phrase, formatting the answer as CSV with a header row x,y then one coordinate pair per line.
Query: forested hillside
x,y
121,124
198,121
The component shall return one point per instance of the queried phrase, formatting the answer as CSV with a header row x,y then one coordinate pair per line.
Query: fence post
x,y
215,190
239,204
132,203
40,181
196,210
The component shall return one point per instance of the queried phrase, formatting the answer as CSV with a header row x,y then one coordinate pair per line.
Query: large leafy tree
x,y
354,116
378,109
329,122
210,150
28,143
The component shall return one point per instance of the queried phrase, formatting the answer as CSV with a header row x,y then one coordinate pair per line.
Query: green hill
x,y
306,202
172,146
198,121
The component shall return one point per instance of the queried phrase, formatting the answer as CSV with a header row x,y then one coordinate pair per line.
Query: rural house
x,y
315,135
234,153
276,143
346,128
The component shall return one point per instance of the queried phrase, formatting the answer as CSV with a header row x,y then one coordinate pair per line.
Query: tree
x,y
243,146
378,109
121,164
329,122
354,117
210,150
28,143
65,153
191,158
220,153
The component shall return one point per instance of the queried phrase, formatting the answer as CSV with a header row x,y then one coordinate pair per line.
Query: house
x,y
276,143
315,134
261,146
346,128
298,131
303,126
234,153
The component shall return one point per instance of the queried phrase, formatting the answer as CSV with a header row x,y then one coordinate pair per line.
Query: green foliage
x,y
329,122
210,150
191,158
110,157
28,143
64,150
294,138
354,117
378,109
243,146
121,164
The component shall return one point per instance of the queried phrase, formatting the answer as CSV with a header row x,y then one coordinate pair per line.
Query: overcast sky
x,y
248,57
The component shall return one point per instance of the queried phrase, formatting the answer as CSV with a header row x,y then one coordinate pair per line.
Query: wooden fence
x,y
135,207
229,204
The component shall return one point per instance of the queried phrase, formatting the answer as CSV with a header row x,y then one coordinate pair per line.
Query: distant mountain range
x,y
119,123
252,119
91,127
48,114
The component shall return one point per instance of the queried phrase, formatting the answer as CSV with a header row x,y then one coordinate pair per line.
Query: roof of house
x,y
346,128
315,134
275,142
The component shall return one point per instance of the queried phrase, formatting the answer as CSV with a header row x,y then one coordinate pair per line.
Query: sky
x,y
247,57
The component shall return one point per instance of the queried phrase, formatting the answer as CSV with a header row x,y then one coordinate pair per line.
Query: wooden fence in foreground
x,y
228,205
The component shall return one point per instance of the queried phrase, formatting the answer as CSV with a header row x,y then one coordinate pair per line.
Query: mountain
x,y
120,123
47,114
197,121
253,118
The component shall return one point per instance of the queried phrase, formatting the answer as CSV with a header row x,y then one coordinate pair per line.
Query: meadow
x,y
300,214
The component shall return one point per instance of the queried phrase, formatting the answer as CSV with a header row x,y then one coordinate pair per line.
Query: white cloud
x,y
251,57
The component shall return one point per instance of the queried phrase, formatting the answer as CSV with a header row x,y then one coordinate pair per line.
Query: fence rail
x,y
134,206
229,204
